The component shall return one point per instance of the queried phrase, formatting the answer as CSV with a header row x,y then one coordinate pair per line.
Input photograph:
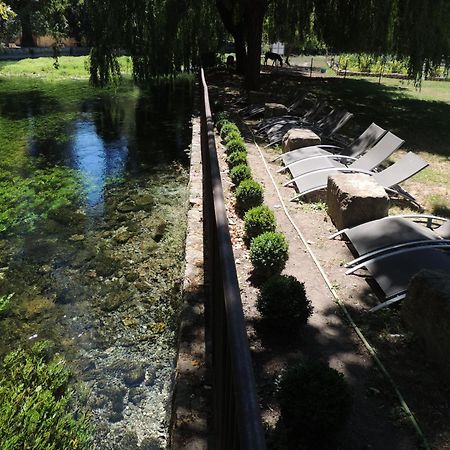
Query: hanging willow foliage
x,y
415,29
161,36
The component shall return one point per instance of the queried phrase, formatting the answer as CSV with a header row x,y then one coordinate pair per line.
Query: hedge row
x,y
314,399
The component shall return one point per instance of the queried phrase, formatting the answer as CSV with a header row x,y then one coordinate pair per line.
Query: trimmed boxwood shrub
x,y
315,402
269,253
236,145
227,128
240,173
231,136
283,301
249,194
258,220
236,158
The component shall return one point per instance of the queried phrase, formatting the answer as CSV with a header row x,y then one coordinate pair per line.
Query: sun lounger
x,y
393,272
389,178
394,234
357,147
367,162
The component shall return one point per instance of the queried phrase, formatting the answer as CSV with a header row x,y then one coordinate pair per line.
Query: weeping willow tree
x,y
162,36
418,30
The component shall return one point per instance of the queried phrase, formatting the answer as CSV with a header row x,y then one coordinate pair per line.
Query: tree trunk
x,y
27,39
254,21
241,52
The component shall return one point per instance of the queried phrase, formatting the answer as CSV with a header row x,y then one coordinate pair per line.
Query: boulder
x,y
426,311
298,138
274,110
355,198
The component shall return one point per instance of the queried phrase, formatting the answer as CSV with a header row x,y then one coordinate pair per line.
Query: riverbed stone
x,y
144,202
426,311
274,110
353,199
134,375
298,138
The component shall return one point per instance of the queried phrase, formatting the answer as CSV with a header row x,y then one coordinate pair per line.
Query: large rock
x,y
426,311
355,198
274,110
298,138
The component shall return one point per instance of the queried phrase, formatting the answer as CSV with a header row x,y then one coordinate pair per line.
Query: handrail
x,y
236,414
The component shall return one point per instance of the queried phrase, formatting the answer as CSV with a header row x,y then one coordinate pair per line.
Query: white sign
x,y
278,47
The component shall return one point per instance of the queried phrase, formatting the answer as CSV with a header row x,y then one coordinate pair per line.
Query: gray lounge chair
x,y
394,234
389,178
393,272
367,162
357,147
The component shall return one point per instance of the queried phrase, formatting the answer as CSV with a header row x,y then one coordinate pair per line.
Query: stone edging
x,y
190,398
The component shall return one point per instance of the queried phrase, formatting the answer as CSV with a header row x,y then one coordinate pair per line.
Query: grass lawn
x,y
69,67
419,116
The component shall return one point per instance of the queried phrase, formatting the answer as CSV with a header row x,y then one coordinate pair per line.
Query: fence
x,y
236,414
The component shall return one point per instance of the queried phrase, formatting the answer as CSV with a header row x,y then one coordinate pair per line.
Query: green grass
x,y
69,67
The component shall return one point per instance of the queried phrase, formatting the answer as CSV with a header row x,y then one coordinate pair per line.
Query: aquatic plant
x,y
37,407
25,201
5,301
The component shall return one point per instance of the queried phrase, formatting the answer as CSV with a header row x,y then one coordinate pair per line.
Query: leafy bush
x,y
236,158
258,220
240,173
232,135
222,117
227,128
283,301
36,403
315,402
269,253
236,145
221,122
249,194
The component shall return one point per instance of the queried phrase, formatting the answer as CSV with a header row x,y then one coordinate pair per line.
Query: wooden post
x,y
311,68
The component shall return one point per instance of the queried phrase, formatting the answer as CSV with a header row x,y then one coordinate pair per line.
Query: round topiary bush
x,y
249,194
258,220
269,253
283,301
236,158
315,402
240,173
233,135
236,145
227,128
221,122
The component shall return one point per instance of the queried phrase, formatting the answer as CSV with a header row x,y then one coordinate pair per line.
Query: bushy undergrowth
x,y
315,402
269,253
283,303
5,302
240,173
249,194
36,403
258,220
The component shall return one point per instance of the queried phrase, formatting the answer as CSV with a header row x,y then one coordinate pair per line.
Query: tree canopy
x,y
164,35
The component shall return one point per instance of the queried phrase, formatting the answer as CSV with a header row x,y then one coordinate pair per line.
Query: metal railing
x,y
236,414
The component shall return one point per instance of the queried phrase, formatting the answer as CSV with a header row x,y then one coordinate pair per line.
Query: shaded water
x,y
100,275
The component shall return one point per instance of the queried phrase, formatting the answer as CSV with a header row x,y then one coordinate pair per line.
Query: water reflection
x,y
97,160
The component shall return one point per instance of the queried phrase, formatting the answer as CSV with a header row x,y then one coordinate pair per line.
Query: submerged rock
x,y
134,375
